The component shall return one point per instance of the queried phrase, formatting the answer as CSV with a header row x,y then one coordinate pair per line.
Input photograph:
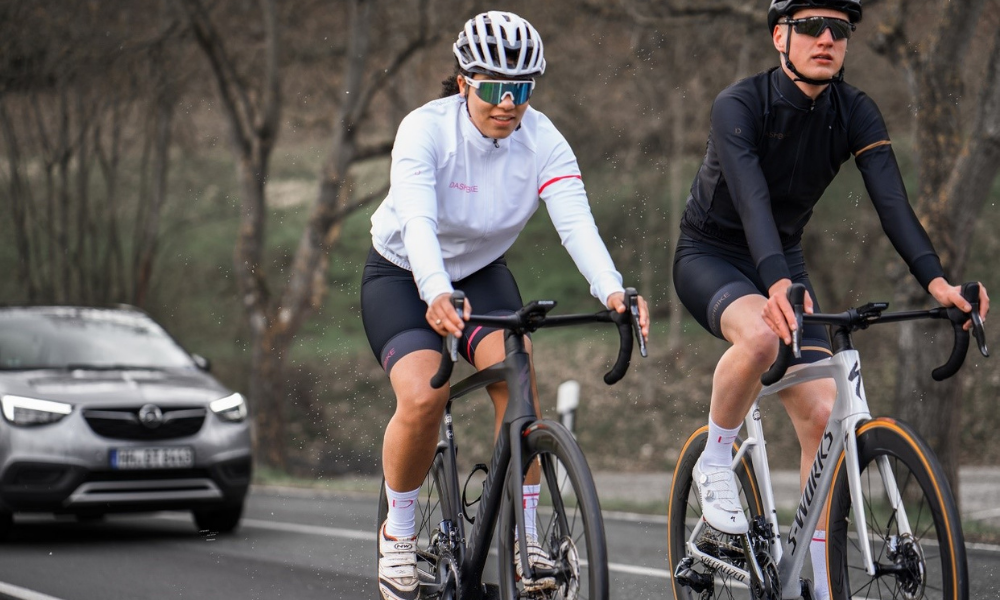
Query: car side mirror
x,y
202,363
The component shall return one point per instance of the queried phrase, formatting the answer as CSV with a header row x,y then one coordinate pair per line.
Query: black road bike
x,y
453,545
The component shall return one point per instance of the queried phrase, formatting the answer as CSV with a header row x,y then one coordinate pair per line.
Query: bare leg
x,y
809,405
737,376
412,432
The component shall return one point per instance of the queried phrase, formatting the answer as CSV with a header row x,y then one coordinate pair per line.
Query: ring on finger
x,y
438,322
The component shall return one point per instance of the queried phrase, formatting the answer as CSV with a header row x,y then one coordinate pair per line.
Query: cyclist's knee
x,y
810,406
421,408
759,346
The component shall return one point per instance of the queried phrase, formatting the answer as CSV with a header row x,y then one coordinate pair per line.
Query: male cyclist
x,y
467,172
777,140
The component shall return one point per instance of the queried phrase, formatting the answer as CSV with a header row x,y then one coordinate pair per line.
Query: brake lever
x,y
796,295
633,307
458,301
979,330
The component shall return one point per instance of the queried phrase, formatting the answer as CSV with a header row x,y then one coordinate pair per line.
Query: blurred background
x,y
215,163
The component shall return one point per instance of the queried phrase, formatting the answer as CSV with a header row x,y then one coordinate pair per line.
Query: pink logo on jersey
x,y
464,187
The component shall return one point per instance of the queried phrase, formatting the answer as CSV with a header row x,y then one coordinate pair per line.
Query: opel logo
x,y
151,416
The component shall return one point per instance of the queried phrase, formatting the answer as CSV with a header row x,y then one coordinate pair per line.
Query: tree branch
x,y
234,96
345,211
654,13
374,151
422,40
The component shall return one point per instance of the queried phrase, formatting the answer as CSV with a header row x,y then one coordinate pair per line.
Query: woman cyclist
x,y
776,142
467,172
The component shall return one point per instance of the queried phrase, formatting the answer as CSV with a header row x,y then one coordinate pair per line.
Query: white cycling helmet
x,y
497,43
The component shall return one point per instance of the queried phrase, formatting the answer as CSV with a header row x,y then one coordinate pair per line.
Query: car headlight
x,y
32,411
231,408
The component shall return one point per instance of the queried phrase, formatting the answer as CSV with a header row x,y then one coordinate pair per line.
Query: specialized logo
x,y
856,374
822,454
464,187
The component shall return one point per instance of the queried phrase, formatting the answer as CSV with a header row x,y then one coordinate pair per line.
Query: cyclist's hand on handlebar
x,y
443,317
616,302
778,312
951,295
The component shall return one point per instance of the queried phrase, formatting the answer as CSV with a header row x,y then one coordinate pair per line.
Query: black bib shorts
x,y
395,319
708,278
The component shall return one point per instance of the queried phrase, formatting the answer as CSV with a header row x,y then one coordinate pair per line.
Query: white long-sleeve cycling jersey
x,y
457,200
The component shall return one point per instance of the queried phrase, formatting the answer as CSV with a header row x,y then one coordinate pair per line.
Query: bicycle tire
x,y
433,507
933,558
684,511
574,536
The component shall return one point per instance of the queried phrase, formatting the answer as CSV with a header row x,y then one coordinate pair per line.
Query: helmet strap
x,y
799,76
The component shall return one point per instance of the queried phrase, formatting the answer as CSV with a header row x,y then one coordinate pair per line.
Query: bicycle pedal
x,y
689,578
806,589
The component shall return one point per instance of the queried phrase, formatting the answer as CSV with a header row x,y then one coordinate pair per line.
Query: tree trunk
x,y
956,175
675,205
20,200
150,227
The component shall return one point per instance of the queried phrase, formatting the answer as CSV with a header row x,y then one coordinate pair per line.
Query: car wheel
x,y
218,520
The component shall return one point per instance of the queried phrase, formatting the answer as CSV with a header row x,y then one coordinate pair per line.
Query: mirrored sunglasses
x,y
494,91
814,26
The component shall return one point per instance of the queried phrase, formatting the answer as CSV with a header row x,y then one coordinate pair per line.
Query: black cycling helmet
x,y
786,8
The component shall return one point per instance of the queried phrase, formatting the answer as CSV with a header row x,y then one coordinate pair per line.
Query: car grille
x,y
124,423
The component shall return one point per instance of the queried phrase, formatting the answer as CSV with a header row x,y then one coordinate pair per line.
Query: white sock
x,y
719,447
402,521
817,553
531,493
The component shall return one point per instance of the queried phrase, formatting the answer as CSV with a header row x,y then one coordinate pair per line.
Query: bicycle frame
x,y
849,410
516,371
839,439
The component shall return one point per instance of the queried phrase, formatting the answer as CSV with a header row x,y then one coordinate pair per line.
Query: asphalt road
x,y
292,544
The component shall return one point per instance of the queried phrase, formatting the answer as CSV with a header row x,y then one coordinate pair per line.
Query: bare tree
x,y
957,166
56,114
274,316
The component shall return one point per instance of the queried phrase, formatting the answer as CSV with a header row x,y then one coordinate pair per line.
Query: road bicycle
x,y
893,529
451,556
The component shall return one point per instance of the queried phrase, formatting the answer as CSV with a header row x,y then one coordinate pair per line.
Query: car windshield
x,y
85,338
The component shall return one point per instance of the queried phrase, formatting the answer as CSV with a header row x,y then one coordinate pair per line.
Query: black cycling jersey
x,y
772,151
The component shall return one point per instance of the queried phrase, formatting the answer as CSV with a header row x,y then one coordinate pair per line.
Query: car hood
x,y
119,387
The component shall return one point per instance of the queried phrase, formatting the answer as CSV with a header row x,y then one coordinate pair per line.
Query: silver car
x,y
104,412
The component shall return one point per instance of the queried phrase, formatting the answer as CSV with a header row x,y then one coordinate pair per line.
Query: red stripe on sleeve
x,y
555,179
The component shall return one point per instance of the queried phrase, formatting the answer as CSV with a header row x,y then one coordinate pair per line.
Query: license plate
x,y
152,458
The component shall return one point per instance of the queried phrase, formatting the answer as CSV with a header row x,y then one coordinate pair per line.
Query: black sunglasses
x,y
814,26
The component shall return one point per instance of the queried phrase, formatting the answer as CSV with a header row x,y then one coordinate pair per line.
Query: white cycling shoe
x,y
537,558
397,567
720,499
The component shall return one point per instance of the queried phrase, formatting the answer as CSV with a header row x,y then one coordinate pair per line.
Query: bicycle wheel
x,y
684,513
929,562
433,507
570,525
